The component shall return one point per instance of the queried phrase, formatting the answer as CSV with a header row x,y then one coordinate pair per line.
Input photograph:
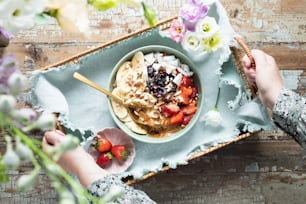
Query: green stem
x,y
217,100
37,151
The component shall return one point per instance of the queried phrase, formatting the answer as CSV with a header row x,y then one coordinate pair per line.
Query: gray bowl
x,y
173,136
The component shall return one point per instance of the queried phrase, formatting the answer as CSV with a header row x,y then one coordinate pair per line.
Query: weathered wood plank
x,y
37,55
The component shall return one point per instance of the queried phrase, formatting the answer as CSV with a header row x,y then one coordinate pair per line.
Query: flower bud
x,y
112,194
149,15
10,159
22,150
17,83
69,142
213,118
24,115
7,103
53,168
26,182
8,65
66,197
46,121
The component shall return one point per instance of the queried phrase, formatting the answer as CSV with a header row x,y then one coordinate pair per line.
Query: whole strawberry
x,y
103,144
104,159
120,152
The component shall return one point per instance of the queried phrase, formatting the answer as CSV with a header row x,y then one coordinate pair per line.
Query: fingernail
x,y
60,132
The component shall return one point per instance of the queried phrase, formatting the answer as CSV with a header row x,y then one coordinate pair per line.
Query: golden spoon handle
x,y
85,80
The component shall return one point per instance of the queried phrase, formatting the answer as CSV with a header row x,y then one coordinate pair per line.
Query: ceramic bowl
x,y
183,59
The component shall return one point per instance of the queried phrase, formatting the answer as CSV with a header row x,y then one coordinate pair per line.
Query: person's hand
x,y
70,159
265,76
76,161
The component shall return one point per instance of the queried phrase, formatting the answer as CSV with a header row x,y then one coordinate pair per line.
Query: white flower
x,y
7,103
24,115
16,15
17,83
26,182
213,118
72,15
22,150
10,159
192,43
69,142
46,121
112,194
207,27
66,197
213,43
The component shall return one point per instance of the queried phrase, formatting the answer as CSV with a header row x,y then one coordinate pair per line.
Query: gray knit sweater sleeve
x,y
289,113
130,195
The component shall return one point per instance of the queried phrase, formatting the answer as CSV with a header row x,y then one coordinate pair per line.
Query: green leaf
x,y
149,15
103,5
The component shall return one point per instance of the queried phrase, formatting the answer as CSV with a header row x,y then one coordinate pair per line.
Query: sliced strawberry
x,y
194,92
176,119
104,159
103,144
186,119
189,109
187,81
182,99
170,109
120,152
187,91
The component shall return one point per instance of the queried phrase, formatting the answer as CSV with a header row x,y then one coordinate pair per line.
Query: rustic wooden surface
x,y
265,168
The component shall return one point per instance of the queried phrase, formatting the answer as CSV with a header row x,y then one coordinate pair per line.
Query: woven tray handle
x,y
252,87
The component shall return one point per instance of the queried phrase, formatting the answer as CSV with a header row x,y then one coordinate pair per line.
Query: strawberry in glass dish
x,y
103,144
120,152
107,160
104,159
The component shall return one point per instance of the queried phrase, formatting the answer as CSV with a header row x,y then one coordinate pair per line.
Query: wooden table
x,y
268,167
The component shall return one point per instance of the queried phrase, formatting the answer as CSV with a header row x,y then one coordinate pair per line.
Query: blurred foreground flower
x,y
16,126
71,15
26,182
10,159
16,15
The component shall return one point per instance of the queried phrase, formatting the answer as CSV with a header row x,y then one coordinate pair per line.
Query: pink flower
x,y
192,13
177,30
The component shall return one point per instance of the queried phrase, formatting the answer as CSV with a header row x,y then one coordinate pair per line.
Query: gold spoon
x,y
149,122
85,80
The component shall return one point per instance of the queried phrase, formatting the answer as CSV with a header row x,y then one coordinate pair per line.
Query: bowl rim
x,y
184,59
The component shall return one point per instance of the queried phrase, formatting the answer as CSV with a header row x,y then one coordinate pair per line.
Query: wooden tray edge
x,y
130,181
163,25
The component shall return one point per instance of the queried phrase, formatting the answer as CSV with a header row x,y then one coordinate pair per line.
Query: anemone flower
x,y
207,27
192,43
177,30
213,43
192,12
